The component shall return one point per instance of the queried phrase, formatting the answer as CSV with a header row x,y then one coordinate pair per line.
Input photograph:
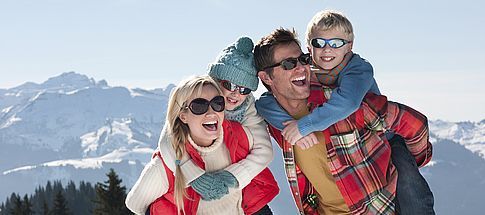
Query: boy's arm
x,y
271,111
261,152
151,184
413,127
355,82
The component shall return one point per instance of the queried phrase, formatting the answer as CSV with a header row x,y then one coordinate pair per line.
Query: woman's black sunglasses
x,y
290,63
200,106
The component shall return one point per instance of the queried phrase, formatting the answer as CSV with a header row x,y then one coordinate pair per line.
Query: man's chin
x,y
303,93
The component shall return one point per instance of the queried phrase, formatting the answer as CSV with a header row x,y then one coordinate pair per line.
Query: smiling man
x,y
348,170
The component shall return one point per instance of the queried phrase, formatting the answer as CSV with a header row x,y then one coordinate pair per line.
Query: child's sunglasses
x,y
200,106
333,43
291,63
233,87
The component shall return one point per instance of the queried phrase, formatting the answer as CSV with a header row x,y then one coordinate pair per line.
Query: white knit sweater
x,y
153,182
217,157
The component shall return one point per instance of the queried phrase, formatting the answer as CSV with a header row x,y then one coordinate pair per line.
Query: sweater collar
x,y
194,151
206,149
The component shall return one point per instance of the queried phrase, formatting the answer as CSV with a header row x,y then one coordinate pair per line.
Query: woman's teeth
x,y
211,126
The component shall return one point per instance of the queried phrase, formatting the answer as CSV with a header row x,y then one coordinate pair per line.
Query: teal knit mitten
x,y
209,187
227,178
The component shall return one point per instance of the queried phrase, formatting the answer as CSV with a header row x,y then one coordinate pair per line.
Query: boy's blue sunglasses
x,y
333,43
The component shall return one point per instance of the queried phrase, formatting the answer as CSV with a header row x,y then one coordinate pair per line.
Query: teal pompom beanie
x,y
236,64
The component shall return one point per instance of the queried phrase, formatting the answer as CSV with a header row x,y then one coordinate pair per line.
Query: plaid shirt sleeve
x,y
413,127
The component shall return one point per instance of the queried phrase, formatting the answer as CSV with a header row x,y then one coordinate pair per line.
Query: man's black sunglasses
x,y
291,63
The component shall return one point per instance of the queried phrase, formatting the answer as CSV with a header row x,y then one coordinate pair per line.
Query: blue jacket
x,y
353,82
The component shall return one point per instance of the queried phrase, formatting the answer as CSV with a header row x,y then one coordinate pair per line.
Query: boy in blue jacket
x,y
330,38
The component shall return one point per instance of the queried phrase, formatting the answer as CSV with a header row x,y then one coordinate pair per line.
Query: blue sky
x,y
425,53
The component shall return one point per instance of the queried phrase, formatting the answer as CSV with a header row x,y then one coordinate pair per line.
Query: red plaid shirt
x,y
359,154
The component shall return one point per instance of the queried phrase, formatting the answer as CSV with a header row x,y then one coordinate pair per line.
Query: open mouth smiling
x,y
211,126
231,100
327,59
299,81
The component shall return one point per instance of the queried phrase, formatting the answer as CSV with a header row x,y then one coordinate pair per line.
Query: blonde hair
x,y
178,131
328,20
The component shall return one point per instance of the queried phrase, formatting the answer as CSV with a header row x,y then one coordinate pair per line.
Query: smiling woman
x,y
197,132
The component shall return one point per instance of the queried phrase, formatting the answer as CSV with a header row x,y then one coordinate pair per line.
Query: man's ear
x,y
183,117
264,76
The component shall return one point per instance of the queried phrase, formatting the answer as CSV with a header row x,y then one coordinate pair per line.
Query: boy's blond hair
x,y
327,20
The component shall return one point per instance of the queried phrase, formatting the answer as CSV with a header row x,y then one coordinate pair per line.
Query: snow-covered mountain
x,y
469,134
72,127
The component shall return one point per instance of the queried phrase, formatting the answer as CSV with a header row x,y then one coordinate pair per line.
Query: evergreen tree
x,y
16,208
48,187
110,196
85,198
45,208
72,197
38,199
57,187
49,193
60,205
27,206
6,209
3,209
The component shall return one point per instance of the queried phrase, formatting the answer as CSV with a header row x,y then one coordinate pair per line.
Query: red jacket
x,y
259,192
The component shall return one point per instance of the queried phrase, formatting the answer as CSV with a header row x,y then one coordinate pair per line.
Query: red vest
x,y
259,192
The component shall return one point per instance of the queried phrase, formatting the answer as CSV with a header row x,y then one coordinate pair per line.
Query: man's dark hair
x,y
264,49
